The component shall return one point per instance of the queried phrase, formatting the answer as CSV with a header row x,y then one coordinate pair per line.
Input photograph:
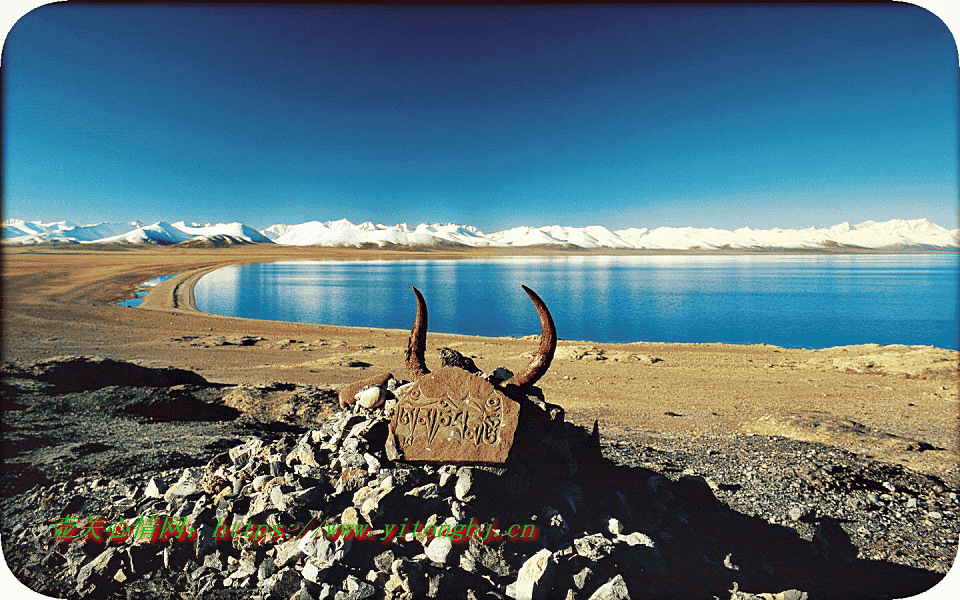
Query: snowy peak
x,y
235,230
896,234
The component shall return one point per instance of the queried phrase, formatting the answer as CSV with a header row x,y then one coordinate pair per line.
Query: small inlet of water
x,y
145,287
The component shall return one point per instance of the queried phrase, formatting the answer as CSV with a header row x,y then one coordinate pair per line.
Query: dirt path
x,y
894,403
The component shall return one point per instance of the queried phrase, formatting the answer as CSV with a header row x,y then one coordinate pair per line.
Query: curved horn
x,y
548,344
416,366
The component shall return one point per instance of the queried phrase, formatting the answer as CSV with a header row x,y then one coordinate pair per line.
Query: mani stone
x,y
452,416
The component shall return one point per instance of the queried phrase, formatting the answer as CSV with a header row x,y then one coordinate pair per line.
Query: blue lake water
x,y
795,301
145,288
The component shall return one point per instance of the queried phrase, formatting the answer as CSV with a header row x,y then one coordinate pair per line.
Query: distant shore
x,y
484,251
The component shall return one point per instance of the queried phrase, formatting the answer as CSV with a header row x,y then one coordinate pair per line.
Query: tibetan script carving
x,y
454,416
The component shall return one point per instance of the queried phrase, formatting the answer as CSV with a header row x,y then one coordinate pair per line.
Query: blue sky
x,y
636,116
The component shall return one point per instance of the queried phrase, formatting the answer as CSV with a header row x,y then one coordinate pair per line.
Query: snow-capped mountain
x,y
235,231
37,232
345,233
16,231
896,234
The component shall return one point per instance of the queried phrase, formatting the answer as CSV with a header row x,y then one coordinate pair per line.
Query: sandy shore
x,y
894,403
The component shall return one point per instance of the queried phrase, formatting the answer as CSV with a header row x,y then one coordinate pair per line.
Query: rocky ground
x,y
726,516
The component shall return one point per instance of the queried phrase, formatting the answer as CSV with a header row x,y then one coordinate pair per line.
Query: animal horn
x,y
416,365
548,345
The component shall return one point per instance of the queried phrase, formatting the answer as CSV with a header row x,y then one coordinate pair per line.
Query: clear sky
x,y
621,116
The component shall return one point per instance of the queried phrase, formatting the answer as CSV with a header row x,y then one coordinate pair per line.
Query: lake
x,y
794,301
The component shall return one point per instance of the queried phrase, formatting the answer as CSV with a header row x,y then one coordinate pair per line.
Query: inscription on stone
x,y
453,416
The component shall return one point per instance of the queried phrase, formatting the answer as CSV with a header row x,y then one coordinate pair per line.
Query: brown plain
x,y
894,403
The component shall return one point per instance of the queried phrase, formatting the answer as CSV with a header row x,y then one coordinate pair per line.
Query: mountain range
x,y
897,234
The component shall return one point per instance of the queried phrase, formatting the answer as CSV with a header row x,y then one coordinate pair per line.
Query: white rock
x,y
308,545
313,570
401,390
439,549
615,589
446,472
636,539
535,577
614,526
155,488
371,397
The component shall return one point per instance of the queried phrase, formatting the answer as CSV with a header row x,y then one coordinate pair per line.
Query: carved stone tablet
x,y
453,416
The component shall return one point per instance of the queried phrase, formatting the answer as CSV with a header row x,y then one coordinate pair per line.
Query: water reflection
x,y
793,301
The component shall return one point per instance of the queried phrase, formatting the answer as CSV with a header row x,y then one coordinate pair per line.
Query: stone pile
x,y
329,515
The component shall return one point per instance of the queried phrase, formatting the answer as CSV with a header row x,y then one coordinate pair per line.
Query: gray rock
x,y
214,561
330,551
832,543
372,506
286,552
205,542
303,454
489,557
294,499
582,578
615,589
384,561
357,588
266,569
315,570
554,522
458,510
410,576
247,565
281,584
430,490
593,547
106,561
191,482
468,562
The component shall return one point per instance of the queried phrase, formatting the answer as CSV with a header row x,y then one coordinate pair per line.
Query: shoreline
x,y
876,400
177,294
